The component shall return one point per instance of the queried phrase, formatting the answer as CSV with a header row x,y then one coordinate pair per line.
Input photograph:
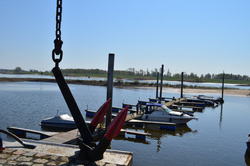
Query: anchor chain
x,y
57,52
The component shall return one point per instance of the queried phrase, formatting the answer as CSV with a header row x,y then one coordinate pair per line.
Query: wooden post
x,y
1,143
222,88
157,85
182,75
110,87
162,70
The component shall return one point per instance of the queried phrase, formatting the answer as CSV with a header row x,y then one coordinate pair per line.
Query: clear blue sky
x,y
197,36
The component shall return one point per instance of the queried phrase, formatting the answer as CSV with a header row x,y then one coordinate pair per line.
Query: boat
x,y
186,111
191,103
63,121
91,113
205,102
160,112
115,110
217,100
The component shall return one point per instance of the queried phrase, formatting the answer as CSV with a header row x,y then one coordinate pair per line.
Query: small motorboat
x,y
160,112
63,121
204,102
91,113
217,100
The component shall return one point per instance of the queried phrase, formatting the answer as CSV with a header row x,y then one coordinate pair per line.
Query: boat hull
x,y
66,126
91,114
167,119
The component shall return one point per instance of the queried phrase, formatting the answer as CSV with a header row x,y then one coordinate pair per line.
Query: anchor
x,y
25,145
89,150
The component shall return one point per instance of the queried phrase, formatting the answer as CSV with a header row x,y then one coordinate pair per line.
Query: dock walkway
x,y
54,155
22,132
64,137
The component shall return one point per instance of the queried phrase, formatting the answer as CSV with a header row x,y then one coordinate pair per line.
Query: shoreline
x,y
173,88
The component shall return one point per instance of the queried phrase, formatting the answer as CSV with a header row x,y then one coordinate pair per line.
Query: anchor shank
x,y
75,112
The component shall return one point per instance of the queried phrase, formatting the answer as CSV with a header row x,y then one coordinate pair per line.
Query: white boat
x,y
63,121
159,112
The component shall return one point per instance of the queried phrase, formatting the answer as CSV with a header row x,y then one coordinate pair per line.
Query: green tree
x,y
18,70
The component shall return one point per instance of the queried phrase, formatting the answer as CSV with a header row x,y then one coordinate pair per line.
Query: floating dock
x,y
22,132
56,145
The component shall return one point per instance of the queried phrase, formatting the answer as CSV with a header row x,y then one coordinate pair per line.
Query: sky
x,y
199,36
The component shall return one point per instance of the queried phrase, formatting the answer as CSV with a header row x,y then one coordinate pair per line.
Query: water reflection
x,y
132,139
247,157
157,134
221,115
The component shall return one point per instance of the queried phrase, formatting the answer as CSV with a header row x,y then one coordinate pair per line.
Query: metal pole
x,y
222,88
182,76
162,70
157,85
110,87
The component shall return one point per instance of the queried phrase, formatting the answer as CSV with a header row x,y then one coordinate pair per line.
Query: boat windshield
x,y
165,108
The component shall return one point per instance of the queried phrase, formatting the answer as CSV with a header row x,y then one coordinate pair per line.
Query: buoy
x,y
1,144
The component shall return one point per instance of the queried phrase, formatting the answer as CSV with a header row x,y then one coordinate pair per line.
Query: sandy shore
x,y
231,92
234,92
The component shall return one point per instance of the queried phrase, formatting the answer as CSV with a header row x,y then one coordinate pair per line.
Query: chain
x,y
58,19
57,52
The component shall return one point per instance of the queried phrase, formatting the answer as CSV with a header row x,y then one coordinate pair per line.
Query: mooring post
x,y
1,144
182,76
157,85
222,88
162,71
110,87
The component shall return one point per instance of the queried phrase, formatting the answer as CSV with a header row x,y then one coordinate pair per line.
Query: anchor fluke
x,y
99,116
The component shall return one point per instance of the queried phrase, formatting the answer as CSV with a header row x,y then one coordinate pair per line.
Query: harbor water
x,y
218,137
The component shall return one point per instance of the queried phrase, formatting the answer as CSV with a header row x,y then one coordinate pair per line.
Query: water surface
x,y
217,138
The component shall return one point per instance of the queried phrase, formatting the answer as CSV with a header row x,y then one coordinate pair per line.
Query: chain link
x,y
58,42
58,19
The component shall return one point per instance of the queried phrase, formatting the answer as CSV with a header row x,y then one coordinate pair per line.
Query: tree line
x,y
132,73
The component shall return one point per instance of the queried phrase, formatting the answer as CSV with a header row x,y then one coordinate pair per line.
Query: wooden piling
x,y
162,71
182,76
110,87
157,85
